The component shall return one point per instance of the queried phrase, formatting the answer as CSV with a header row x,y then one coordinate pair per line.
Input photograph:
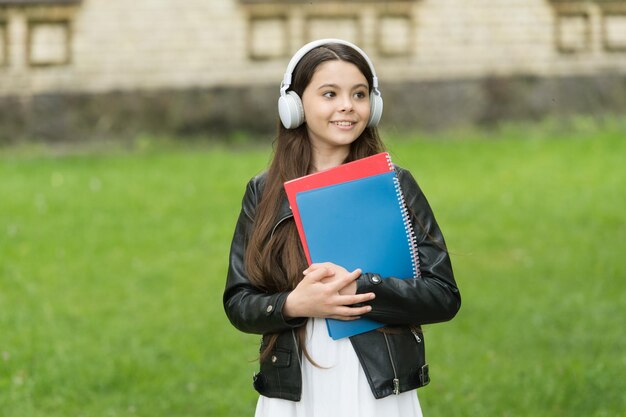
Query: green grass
x,y
112,266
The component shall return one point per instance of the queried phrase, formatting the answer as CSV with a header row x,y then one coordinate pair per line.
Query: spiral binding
x,y
408,228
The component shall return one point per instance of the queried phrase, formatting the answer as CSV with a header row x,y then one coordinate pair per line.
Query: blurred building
x,y
71,69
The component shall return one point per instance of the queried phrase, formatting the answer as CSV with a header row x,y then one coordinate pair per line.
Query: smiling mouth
x,y
344,123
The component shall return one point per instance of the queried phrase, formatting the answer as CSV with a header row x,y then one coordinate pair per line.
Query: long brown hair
x,y
274,257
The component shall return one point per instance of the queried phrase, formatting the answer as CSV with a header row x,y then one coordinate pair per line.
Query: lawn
x,y
112,265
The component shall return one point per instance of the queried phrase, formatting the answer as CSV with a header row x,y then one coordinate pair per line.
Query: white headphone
x,y
290,107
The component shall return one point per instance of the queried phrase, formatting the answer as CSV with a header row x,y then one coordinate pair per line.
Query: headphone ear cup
x,y
376,109
290,110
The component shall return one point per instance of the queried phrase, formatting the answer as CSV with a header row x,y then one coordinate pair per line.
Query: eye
x,y
360,94
329,94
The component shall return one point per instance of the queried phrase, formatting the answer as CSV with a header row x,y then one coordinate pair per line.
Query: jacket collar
x,y
284,210
284,213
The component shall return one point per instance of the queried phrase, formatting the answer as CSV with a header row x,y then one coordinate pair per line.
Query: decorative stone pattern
x,y
3,44
342,27
267,37
380,27
37,2
588,26
614,34
98,46
573,32
48,43
395,34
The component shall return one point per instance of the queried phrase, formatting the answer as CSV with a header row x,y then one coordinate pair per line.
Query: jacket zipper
x,y
424,371
417,336
293,334
295,342
396,381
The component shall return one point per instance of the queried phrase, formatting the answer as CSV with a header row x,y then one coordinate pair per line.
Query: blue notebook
x,y
359,224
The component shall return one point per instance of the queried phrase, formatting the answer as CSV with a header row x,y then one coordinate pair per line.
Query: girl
x,y
328,117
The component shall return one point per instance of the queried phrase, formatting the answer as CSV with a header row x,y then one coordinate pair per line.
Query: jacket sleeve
x,y
248,308
431,298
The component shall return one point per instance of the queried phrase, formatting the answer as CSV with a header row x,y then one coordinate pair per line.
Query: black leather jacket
x,y
393,361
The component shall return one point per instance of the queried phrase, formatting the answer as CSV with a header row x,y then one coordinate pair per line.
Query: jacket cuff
x,y
276,309
367,281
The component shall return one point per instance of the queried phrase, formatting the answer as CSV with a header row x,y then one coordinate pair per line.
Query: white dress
x,y
339,389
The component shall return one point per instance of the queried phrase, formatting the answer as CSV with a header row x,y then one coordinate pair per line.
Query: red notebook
x,y
361,168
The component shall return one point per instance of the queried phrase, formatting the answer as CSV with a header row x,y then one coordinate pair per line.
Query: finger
x,y
347,300
318,274
347,279
356,273
318,265
343,318
313,267
344,311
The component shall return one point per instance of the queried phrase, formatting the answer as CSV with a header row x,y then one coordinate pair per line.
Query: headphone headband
x,y
290,107
284,86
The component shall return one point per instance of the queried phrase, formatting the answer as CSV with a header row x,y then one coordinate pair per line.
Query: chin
x,y
345,140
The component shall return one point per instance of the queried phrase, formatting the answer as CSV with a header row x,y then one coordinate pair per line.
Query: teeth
x,y
343,123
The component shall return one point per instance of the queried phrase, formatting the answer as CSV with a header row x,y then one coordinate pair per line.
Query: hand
x,y
338,271
319,294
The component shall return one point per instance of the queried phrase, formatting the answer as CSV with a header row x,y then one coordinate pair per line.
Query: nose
x,y
346,104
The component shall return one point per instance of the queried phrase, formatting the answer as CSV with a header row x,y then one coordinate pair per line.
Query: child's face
x,y
336,105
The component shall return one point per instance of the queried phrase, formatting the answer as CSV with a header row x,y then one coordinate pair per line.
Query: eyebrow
x,y
336,86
